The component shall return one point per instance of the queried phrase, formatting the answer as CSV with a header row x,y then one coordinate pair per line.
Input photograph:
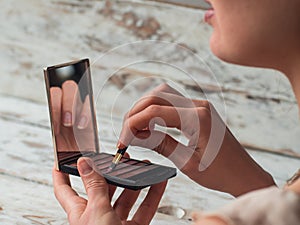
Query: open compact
x,y
75,134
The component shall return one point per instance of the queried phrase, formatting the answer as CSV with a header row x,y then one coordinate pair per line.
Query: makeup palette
x,y
69,91
129,173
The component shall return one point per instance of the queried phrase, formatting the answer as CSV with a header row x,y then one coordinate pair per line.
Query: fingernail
x,y
82,123
84,167
68,119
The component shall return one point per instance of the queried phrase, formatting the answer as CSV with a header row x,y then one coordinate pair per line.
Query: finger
x,y
184,119
85,115
167,99
124,203
65,195
165,88
56,98
70,98
95,186
147,209
167,146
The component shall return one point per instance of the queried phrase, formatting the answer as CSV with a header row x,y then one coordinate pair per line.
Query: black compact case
x,y
129,173
71,142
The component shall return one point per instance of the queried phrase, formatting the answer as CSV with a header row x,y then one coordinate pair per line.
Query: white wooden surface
x,y
261,109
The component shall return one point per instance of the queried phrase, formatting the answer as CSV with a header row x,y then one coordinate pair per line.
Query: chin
x,y
237,54
222,52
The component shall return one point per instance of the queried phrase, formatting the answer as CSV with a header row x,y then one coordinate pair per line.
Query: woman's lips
x,y
208,15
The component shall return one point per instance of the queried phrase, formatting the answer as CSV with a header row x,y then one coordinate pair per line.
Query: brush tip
x,y
112,166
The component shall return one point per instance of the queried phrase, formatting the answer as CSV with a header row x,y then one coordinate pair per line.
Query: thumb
x,y
95,185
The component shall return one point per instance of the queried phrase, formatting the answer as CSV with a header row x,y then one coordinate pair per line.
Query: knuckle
x,y
147,101
203,103
161,88
203,113
150,100
153,109
129,125
206,104
164,87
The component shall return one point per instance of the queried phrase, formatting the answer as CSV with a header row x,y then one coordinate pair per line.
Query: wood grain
x,y
260,107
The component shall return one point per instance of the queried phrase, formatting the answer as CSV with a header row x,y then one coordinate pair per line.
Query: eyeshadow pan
x,y
102,158
104,165
130,166
138,170
121,168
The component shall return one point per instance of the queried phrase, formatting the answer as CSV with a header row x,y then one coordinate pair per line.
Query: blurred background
x,y
133,46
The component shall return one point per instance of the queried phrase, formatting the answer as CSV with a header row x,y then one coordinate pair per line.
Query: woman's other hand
x,y
98,209
212,158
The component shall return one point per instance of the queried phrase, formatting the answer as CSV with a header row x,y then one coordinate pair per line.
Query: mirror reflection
x,y
72,110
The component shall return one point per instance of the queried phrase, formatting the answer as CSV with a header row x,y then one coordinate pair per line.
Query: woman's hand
x,y
97,209
212,158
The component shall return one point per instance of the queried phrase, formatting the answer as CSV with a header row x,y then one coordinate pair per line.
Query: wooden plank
x,y
24,202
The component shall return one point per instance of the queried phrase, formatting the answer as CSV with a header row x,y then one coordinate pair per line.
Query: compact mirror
x,y
70,102
75,134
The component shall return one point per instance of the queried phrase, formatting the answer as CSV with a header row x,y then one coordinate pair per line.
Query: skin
x,y
71,118
165,106
271,27
98,209
295,187
261,33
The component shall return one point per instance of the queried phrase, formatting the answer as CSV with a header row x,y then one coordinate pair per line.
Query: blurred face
x,y
255,32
